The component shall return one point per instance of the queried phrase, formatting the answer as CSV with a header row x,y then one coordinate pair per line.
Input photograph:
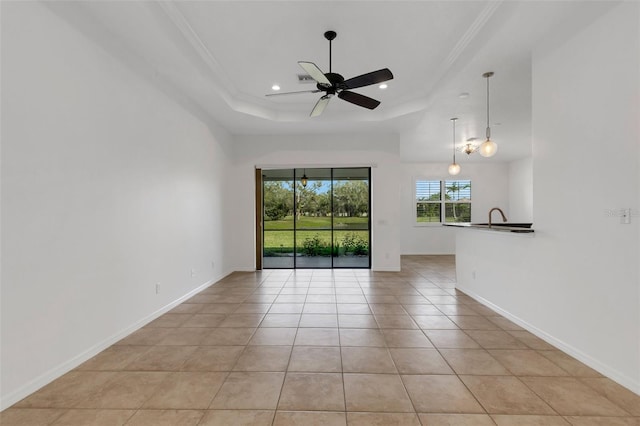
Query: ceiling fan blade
x,y
315,73
358,99
292,93
368,79
320,106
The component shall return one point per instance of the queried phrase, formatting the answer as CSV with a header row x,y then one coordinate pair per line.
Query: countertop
x,y
520,228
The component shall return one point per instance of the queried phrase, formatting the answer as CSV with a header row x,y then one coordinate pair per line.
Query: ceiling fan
x,y
334,84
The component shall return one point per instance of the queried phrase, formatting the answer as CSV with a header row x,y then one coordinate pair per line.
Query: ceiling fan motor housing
x,y
335,80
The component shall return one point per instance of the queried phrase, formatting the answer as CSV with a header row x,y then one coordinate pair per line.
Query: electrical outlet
x,y
213,264
157,288
193,273
473,275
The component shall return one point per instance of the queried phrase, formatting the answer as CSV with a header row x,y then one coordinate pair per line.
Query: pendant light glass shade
x,y
488,148
304,179
454,168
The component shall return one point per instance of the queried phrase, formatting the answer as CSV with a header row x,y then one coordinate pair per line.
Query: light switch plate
x,y
625,217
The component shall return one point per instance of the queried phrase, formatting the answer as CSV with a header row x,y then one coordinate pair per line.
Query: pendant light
x,y
304,179
454,168
488,148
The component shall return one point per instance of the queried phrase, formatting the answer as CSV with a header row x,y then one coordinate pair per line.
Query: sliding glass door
x,y
278,237
313,218
316,218
351,218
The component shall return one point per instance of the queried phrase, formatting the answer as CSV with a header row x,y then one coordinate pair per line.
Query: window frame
x,y
442,202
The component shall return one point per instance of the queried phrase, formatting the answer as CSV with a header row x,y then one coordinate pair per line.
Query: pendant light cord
x,y
488,128
454,140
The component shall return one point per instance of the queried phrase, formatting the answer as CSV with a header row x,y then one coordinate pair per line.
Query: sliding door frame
x,y
259,218
259,211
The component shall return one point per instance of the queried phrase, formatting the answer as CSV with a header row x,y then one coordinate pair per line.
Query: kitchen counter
x,y
520,228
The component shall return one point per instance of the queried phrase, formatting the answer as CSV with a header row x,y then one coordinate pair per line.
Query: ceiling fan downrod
x,y
330,35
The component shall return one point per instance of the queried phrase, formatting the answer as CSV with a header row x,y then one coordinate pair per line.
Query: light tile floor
x,y
322,347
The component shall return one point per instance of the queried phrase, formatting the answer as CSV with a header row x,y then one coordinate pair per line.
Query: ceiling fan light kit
x,y
334,84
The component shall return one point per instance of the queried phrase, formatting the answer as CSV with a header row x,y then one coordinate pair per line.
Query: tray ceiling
x,y
219,59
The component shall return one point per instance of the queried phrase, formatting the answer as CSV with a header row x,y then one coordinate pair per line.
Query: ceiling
x,y
219,59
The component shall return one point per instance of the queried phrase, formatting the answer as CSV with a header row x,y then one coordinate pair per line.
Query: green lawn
x,y
282,241
318,222
428,219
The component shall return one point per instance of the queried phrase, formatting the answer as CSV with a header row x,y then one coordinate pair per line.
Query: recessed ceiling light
x,y
275,87
383,86
463,95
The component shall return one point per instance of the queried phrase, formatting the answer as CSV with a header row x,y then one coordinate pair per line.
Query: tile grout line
x,y
344,387
457,375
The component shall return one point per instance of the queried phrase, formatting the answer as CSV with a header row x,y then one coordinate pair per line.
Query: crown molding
x,y
181,23
471,33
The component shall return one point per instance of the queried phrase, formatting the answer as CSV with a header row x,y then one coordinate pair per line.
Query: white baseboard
x,y
245,269
386,269
54,373
429,254
628,382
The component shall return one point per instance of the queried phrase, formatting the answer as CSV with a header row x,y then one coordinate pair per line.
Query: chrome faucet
x,y
504,218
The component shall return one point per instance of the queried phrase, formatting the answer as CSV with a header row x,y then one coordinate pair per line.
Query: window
x,y
439,201
428,201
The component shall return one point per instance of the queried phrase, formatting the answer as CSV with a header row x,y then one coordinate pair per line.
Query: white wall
x,y
378,151
107,188
577,282
489,188
521,190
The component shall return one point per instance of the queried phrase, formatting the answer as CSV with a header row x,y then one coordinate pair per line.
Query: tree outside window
x,y
443,201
